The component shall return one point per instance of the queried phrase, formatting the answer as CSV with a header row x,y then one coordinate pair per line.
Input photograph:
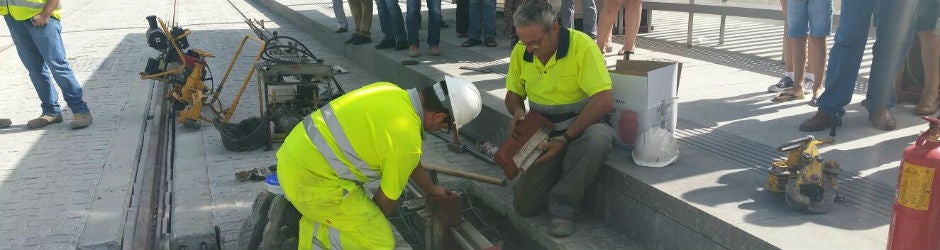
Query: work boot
x,y
361,40
43,121
882,119
562,227
352,38
385,44
5,123
402,45
819,122
81,120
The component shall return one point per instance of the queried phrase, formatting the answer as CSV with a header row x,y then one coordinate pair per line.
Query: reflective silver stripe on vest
x,y
343,143
416,102
334,238
317,138
30,4
317,245
561,109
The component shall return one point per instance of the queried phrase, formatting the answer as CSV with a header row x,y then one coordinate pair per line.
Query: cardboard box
x,y
645,95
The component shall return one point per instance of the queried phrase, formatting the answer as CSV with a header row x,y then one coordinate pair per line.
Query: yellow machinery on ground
x,y
294,81
186,72
809,183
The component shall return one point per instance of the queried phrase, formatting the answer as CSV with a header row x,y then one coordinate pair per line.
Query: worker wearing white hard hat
x,y
370,134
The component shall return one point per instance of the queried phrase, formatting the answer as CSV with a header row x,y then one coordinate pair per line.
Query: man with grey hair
x,y
563,75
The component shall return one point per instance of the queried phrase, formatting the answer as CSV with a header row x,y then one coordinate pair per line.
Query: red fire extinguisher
x,y
915,222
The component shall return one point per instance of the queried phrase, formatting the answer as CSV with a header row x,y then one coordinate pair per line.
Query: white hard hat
x,y
656,148
463,99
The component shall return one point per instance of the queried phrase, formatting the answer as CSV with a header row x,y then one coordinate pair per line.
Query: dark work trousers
x,y
463,16
559,184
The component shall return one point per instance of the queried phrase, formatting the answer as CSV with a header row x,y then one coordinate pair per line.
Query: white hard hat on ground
x,y
463,99
656,148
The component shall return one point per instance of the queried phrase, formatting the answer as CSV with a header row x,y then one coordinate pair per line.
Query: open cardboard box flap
x,y
642,68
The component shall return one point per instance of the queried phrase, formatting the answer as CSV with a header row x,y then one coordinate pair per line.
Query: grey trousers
x,y
588,18
559,184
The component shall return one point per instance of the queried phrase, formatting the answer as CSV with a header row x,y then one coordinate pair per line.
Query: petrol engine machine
x,y
293,80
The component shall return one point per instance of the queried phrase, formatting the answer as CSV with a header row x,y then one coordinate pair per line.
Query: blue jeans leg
x,y
413,21
476,19
895,31
845,57
42,53
566,14
384,22
588,16
489,18
434,22
340,14
396,20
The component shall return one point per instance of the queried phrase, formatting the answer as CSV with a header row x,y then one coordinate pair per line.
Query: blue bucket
x,y
273,185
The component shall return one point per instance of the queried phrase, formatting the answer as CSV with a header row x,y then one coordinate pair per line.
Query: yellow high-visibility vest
x,y
372,133
26,9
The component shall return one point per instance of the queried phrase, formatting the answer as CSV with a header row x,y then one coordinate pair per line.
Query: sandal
x,y
471,42
786,97
490,42
626,54
812,102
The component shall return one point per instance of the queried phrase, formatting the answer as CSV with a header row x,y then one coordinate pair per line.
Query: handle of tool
x,y
790,145
466,175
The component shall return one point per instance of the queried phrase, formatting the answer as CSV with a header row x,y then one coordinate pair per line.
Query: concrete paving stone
x,y
66,245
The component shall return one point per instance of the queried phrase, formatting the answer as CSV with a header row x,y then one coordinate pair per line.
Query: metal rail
x,y
152,206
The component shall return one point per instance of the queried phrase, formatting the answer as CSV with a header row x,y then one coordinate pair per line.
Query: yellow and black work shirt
x,y
576,71
383,127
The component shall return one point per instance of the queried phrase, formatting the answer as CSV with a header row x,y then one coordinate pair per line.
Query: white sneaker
x,y
808,84
784,84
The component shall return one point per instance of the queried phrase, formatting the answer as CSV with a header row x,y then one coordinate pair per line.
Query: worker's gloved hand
x,y
517,116
552,147
437,190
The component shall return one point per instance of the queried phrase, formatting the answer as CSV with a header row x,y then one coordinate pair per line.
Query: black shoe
x,y
385,44
361,40
471,42
402,45
352,39
340,30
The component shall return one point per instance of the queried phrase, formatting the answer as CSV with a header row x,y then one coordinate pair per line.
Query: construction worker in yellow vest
x,y
36,32
371,134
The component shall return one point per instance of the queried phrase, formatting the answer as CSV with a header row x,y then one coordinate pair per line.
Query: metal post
x,y
721,30
688,40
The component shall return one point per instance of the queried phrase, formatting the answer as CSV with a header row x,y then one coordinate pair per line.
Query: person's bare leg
x,y
605,24
817,63
631,24
798,47
930,52
787,56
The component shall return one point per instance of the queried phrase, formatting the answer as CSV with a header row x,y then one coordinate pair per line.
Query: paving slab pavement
x,y
63,188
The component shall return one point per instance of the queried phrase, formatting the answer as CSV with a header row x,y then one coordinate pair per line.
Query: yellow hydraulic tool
x,y
809,183
186,73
